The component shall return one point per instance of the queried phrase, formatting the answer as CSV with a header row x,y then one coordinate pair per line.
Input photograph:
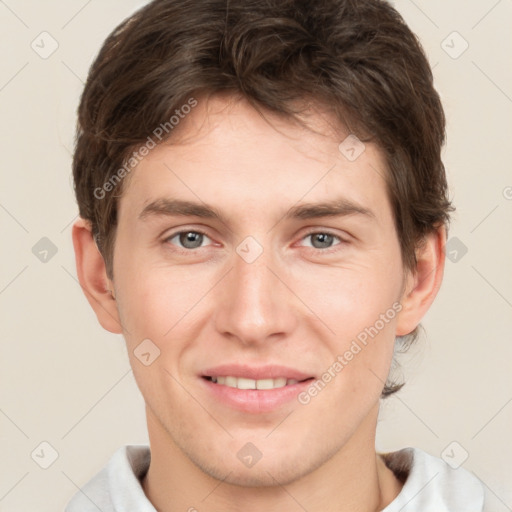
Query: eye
x,y
322,239
188,239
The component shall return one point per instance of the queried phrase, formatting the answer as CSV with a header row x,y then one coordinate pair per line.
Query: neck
x,y
355,479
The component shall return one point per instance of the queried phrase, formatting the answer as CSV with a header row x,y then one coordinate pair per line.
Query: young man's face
x,y
262,294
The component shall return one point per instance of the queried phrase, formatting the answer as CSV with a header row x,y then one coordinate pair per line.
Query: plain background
x,y
66,382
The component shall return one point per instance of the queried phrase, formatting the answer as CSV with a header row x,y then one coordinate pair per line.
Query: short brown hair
x,y
357,56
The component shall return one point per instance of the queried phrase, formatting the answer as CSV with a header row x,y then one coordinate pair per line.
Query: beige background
x,y
66,382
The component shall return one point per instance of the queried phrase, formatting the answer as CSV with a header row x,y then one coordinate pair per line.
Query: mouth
x,y
260,384
254,389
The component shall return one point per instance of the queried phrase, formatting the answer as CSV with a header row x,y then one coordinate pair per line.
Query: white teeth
x,y
243,383
265,384
280,382
230,381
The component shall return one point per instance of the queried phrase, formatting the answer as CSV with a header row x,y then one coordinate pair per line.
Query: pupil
x,y
324,238
191,240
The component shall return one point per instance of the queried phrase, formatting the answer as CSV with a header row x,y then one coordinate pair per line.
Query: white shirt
x,y
431,485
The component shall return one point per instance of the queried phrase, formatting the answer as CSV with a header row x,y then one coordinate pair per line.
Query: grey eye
x,y
189,239
321,240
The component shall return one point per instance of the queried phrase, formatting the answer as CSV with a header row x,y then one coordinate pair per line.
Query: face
x,y
254,253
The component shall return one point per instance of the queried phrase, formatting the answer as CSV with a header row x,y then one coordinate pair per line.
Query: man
x,y
263,214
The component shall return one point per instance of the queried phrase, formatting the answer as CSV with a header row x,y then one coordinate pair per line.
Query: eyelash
x,y
316,232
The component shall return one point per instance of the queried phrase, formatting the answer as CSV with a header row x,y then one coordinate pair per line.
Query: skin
x,y
295,305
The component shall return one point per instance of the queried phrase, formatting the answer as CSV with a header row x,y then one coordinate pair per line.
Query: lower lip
x,y
255,400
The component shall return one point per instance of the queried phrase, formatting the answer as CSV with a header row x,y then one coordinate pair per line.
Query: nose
x,y
253,303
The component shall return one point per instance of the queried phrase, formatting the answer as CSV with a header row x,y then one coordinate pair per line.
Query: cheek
x,y
359,305
162,302
158,305
348,300
154,303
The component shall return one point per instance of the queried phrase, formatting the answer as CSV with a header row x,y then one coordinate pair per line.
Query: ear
x,y
92,276
422,284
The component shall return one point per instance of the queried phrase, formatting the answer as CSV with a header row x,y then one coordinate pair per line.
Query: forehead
x,y
226,152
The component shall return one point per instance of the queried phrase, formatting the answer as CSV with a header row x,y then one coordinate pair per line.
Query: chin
x,y
247,478
256,477
269,471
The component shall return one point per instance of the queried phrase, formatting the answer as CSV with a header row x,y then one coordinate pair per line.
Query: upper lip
x,y
255,372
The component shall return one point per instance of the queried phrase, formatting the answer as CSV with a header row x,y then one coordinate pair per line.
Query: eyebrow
x,y
176,207
336,208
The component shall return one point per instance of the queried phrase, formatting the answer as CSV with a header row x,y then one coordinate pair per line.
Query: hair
x,y
356,56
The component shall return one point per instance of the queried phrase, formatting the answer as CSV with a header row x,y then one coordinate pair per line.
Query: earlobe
x,y
92,275
423,284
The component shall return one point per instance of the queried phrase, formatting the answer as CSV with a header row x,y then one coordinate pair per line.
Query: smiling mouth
x,y
256,384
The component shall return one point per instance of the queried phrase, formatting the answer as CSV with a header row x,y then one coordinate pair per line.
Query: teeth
x,y
229,381
243,383
268,384
240,383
